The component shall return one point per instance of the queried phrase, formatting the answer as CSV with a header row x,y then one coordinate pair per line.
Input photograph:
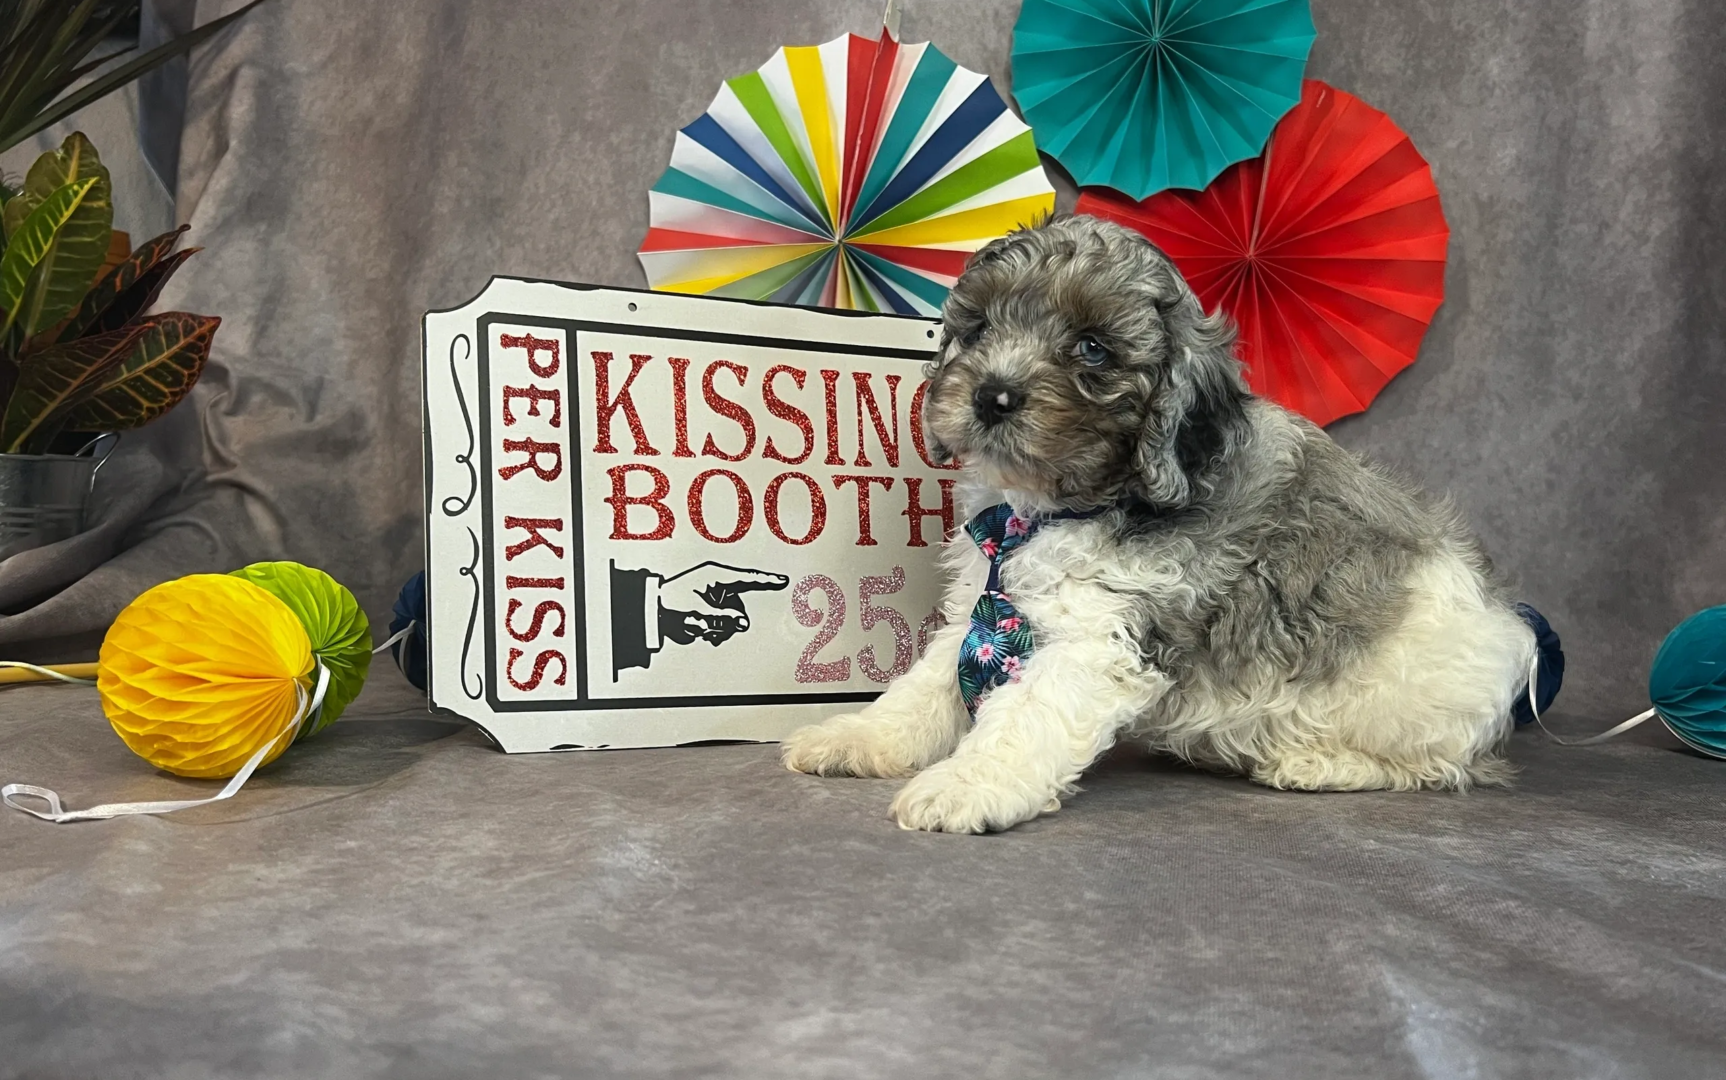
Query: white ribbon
x,y
48,672
1609,733
309,704
397,636
307,713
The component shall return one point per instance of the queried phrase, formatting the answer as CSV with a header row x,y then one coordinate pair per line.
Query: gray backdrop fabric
x,y
394,900
348,166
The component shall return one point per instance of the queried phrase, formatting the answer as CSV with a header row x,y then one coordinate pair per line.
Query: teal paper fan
x,y
1143,95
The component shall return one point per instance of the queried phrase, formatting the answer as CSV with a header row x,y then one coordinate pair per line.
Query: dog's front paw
x,y
970,795
851,745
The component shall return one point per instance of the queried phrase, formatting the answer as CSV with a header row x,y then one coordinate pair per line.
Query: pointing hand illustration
x,y
706,601
703,603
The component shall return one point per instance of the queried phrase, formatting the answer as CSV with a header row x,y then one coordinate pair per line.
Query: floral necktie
x,y
999,641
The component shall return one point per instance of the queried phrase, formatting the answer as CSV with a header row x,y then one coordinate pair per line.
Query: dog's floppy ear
x,y
1199,405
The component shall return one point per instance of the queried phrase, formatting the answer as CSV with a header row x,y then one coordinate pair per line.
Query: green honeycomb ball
x,y
341,635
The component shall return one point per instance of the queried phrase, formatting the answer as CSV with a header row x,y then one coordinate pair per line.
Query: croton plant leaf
x,y
31,241
79,247
55,378
129,289
76,159
141,295
161,368
119,250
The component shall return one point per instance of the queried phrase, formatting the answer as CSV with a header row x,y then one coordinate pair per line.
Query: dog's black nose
x,y
994,402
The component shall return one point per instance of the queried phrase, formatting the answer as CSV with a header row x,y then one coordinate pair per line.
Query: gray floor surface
x,y
396,899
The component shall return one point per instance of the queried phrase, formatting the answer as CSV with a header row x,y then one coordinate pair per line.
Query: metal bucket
x,y
44,497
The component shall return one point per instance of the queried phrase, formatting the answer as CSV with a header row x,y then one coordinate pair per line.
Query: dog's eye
x,y
973,335
1090,352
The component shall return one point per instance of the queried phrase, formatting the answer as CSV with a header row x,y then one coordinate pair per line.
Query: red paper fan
x,y
1327,251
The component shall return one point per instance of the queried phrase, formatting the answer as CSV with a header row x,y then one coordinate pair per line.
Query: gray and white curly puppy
x,y
1239,590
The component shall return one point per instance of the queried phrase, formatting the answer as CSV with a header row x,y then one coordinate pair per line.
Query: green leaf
x,y
26,247
58,378
138,299
80,247
129,289
75,159
17,209
45,41
162,368
38,38
339,631
15,129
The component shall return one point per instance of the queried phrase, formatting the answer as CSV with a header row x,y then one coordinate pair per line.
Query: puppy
x,y
1197,568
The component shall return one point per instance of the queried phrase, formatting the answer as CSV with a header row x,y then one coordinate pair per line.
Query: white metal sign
x,y
655,519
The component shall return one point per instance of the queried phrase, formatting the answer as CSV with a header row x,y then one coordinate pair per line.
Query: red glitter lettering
x,y
534,346
606,406
728,408
830,393
621,501
534,537
534,396
866,394
533,448
680,405
745,506
915,512
865,538
539,664
918,441
513,582
788,412
540,611
817,507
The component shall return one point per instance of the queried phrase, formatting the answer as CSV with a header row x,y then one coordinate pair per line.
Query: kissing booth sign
x,y
655,519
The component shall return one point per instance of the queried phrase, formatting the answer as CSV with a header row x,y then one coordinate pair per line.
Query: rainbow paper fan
x,y
856,174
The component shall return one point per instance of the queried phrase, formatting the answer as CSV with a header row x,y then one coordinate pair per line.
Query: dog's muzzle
x,y
995,401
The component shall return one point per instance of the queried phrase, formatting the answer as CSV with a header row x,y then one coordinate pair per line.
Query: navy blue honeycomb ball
x,y
410,610
1549,671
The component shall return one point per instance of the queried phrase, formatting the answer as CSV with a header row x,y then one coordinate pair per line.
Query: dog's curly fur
x,y
1254,599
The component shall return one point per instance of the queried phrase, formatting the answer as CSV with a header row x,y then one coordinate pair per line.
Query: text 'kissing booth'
x,y
656,519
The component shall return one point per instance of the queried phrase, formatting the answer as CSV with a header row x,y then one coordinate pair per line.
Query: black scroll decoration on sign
x,y
472,618
453,506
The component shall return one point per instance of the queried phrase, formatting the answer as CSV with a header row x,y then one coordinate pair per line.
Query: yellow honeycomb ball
x,y
199,673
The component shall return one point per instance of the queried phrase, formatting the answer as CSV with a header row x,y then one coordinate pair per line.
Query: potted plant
x,y
79,355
